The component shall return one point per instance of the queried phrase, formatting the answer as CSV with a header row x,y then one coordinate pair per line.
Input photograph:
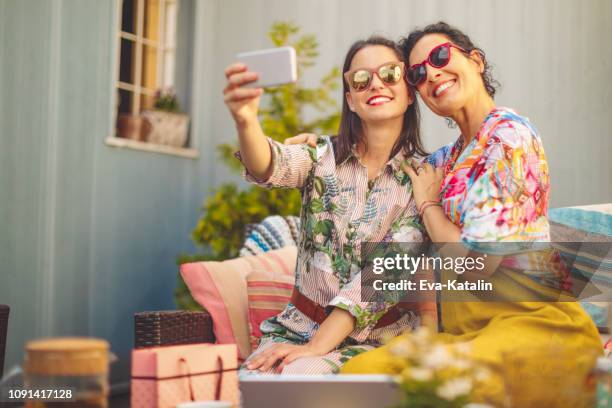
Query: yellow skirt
x,y
539,353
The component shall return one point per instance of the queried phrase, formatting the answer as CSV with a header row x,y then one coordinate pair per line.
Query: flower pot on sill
x,y
131,127
167,128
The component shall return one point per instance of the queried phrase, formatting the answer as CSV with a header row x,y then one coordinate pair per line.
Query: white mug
x,y
205,404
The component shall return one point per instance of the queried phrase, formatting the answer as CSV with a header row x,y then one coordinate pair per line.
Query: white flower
x,y
463,348
482,374
462,364
420,374
455,388
421,336
403,348
437,358
321,261
408,233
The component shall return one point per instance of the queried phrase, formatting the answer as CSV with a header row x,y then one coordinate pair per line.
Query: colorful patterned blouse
x,y
341,209
497,188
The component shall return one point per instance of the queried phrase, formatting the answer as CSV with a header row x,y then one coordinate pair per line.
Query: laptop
x,y
319,391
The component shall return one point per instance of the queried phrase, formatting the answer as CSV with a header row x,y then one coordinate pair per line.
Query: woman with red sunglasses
x,y
352,186
491,185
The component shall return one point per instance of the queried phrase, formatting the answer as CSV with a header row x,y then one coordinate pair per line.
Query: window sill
x,y
150,147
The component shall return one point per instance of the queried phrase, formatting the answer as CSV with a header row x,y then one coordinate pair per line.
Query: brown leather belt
x,y
318,313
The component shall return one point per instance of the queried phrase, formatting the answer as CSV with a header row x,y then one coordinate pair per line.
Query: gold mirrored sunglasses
x,y
390,73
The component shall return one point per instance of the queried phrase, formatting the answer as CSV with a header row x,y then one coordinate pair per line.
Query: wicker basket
x,y
172,327
4,315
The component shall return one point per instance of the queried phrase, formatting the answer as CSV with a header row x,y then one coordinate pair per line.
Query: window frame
x,y
137,89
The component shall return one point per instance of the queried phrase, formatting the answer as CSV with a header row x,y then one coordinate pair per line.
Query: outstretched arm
x,y
243,104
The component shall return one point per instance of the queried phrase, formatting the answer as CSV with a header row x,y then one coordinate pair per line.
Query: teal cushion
x,y
576,225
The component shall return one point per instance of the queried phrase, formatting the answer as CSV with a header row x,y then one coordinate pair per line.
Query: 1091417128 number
x,y
49,394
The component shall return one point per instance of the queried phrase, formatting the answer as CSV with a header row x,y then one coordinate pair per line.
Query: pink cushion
x,y
221,289
269,292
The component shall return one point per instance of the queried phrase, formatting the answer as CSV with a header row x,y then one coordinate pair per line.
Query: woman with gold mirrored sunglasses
x,y
353,190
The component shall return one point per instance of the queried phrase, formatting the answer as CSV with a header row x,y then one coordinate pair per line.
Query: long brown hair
x,y
351,132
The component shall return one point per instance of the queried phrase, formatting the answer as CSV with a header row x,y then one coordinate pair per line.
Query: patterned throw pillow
x,y
593,226
221,289
274,232
269,291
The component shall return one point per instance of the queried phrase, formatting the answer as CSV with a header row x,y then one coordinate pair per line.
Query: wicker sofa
x,y
172,327
181,327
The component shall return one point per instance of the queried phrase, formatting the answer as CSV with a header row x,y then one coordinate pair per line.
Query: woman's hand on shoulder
x,y
242,102
303,138
280,355
426,181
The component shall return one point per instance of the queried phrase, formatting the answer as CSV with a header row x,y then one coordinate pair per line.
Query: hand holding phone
x,y
242,102
245,80
255,70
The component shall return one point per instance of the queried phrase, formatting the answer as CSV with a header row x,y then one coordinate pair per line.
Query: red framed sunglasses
x,y
438,57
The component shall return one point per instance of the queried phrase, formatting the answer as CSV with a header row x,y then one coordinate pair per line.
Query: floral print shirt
x,y
340,209
497,187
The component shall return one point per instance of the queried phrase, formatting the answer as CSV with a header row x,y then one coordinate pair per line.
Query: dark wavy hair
x,y
457,37
351,132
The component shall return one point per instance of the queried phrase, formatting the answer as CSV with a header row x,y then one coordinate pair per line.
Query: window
x,y
147,59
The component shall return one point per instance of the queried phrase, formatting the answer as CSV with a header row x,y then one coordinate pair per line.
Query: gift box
x,y
163,377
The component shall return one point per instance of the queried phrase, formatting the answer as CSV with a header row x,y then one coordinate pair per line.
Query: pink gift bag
x,y
165,376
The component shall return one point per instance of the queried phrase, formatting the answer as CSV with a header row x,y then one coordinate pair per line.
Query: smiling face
x,y
379,101
451,88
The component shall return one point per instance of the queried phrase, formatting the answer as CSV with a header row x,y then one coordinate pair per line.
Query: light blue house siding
x,y
89,233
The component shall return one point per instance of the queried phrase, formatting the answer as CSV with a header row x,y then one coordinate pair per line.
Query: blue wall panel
x,y
90,233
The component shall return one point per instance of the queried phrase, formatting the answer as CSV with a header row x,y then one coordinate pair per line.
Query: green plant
x,y
165,100
225,214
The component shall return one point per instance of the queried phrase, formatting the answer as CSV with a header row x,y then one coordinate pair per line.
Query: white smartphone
x,y
275,66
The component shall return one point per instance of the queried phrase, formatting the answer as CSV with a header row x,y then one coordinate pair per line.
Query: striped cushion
x,y
273,232
269,291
